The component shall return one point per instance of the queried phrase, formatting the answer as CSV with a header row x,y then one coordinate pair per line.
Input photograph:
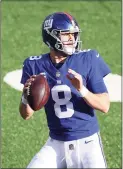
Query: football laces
x,y
28,90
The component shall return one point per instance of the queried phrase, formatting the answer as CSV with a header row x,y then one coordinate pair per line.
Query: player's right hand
x,y
27,85
76,80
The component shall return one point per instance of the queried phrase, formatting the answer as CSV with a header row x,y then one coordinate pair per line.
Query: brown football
x,y
38,93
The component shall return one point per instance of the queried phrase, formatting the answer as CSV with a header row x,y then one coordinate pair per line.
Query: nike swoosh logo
x,y
86,142
97,55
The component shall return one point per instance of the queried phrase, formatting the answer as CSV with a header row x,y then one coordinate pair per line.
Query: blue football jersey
x,y
68,115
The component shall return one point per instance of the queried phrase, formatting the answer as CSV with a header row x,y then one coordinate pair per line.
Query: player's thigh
x,y
93,156
49,156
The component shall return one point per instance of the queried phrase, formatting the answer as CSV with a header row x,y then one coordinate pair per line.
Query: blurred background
x,y
100,22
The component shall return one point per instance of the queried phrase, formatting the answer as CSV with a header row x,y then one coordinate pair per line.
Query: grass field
x,y
100,22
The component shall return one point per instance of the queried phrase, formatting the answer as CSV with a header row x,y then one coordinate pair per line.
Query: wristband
x,y
84,91
23,100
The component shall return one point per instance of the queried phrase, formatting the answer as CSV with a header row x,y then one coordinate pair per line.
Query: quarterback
x,y
77,89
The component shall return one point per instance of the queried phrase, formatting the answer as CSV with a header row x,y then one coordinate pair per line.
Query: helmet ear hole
x,y
58,46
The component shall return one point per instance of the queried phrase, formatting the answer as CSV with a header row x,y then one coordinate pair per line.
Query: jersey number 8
x,y
62,101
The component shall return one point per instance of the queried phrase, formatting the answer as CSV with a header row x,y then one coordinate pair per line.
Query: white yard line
x,y
112,81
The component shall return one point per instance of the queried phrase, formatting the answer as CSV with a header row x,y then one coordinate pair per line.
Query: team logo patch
x,y
57,74
71,147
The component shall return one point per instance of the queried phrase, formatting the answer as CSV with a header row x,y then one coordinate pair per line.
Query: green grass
x,y
100,22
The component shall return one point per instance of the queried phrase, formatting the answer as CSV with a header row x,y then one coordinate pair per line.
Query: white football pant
x,y
83,153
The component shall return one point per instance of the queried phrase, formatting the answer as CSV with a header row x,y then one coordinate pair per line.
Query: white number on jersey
x,y
35,57
62,101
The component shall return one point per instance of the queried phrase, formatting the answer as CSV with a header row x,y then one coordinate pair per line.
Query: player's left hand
x,y
76,79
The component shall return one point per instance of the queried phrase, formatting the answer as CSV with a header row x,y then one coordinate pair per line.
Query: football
x,y
38,93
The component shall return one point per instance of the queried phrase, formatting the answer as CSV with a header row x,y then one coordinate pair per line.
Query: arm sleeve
x,y
103,67
26,72
95,81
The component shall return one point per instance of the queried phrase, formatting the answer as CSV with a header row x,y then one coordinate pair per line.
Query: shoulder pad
x,y
86,50
82,51
91,52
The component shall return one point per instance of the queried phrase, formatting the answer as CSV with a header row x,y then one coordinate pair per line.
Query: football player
x,y
77,89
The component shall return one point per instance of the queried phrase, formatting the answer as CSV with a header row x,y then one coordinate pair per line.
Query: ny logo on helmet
x,y
48,24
